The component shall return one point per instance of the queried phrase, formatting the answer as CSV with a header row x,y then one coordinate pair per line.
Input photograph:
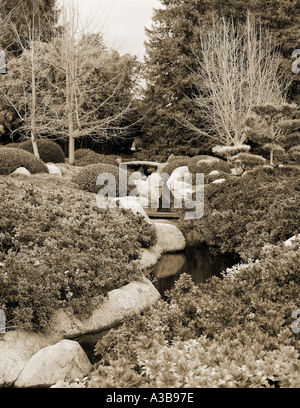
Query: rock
x,y
179,174
214,173
150,257
119,304
135,204
16,348
179,184
169,238
21,170
289,242
63,361
54,169
218,181
154,189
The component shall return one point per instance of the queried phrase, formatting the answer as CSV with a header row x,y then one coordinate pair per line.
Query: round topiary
x,y
13,144
85,157
49,151
11,159
87,177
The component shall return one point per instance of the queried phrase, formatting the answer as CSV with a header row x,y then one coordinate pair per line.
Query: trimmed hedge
x,y
86,179
85,157
49,151
11,159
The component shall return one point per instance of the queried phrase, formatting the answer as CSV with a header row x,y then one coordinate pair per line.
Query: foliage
x,y
237,68
170,62
57,249
294,152
17,16
49,151
86,179
230,332
11,159
98,108
275,127
84,157
247,212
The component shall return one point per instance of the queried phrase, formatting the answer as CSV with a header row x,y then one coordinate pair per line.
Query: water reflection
x,y
196,260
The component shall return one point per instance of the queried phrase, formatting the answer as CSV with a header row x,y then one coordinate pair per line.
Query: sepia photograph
x,y
149,197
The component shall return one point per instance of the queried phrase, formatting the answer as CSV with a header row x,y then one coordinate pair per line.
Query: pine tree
x,y
170,61
275,128
19,16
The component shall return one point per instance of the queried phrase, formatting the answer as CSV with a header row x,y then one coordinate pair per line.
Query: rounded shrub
x,y
11,159
13,144
87,177
85,157
49,151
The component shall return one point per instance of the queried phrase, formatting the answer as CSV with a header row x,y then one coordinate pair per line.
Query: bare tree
x,y
77,87
83,99
34,32
237,69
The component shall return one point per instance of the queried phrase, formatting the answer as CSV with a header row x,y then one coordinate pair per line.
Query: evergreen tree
x,y
275,128
19,16
170,62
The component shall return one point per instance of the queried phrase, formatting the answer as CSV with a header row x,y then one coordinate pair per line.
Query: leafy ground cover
x,y
244,213
57,249
230,332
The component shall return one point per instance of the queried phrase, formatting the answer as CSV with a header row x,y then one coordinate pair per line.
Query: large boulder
x,y
180,185
119,304
290,241
64,361
135,204
150,257
16,348
169,238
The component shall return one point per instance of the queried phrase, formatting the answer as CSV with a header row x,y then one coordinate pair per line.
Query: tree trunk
x,y
71,149
272,157
33,105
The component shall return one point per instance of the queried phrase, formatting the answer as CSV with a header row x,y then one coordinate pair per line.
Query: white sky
x,y
121,22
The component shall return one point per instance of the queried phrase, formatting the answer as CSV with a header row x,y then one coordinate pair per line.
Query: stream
x,y
196,260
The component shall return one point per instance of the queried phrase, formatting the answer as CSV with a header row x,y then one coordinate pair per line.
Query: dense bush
x,y
244,213
11,159
49,151
58,249
230,332
13,144
85,157
86,179
294,153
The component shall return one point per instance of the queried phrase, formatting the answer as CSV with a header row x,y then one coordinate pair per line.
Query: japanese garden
x,y
149,209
